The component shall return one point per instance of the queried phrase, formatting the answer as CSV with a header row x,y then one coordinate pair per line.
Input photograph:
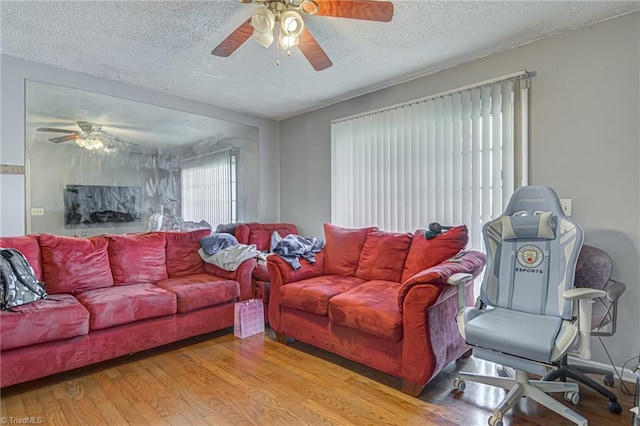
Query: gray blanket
x,y
292,247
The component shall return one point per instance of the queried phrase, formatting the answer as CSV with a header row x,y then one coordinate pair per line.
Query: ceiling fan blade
x,y
48,129
65,138
367,10
235,40
313,52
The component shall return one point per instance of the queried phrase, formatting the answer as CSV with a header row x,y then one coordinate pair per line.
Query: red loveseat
x,y
111,296
260,235
378,298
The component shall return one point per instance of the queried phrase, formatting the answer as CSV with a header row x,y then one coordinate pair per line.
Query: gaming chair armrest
x,y
460,280
614,290
585,298
583,293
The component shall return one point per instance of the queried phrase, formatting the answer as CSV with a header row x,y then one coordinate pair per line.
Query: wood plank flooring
x,y
221,380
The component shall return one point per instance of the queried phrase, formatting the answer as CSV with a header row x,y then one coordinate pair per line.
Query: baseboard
x,y
627,375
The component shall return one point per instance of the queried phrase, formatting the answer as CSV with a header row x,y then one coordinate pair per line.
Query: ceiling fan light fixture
x,y
287,42
309,7
90,143
291,23
263,20
265,39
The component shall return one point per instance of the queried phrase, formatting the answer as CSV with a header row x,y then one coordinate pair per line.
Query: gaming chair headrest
x,y
534,200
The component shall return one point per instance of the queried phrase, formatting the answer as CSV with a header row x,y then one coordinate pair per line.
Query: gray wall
x,y
13,73
585,141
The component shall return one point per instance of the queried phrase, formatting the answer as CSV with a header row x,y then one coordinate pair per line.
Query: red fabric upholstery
x,y
29,247
43,321
342,248
383,256
74,265
261,273
200,290
34,361
101,323
182,252
263,289
471,263
137,259
370,307
125,304
260,233
313,295
404,327
425,253
306,270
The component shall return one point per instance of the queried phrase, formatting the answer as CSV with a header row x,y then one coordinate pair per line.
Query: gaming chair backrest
x,y
532,250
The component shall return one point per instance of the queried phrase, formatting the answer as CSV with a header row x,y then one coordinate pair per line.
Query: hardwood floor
x,y
222,380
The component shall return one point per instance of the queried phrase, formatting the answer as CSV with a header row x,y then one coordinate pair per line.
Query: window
x,y
453,158
209,187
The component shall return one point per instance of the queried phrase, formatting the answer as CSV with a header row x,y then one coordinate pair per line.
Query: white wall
x,y
585,140
13,73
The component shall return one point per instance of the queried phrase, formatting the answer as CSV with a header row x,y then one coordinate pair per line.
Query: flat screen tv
x,y
98,205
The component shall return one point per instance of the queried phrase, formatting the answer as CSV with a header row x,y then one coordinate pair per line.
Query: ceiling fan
x,y
283,17
90,136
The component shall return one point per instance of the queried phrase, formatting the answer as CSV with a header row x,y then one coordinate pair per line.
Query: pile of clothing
x,y
224,251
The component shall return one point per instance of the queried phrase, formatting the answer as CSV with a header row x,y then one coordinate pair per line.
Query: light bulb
x,y
291,23
287,42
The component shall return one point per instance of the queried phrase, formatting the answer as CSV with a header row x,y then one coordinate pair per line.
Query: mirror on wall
x,y
99,164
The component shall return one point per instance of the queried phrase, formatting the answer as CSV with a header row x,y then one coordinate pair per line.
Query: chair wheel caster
x,y
459,385
494,421
608,380
572,397
615,407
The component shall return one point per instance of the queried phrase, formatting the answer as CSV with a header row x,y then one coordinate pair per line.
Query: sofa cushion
x,y
201,290
182,252
313,294
73,265
29,247
371,307
383,256
342,248
43,321
137,259
424,253
125,304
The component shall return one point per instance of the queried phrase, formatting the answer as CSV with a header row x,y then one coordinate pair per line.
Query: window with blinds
x,y
453,158
209,188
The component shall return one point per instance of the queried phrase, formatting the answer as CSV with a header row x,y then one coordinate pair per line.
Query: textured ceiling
x,y
165,46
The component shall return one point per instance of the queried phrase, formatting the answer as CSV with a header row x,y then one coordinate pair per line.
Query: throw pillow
x,y
424,253
383,256
342,249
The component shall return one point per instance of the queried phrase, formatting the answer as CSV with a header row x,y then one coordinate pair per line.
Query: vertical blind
x,y
449,159
208,188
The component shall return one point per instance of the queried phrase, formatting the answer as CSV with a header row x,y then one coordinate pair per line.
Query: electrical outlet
x,y
37,212
567,206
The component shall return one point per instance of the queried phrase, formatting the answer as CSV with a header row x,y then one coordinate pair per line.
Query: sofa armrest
x,y
282,273
471,262
277,265
242,275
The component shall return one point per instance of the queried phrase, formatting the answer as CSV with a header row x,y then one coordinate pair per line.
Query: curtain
x,y
449,159
208,188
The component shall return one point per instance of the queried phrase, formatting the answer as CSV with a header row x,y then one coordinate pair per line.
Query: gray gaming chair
x,y
524,315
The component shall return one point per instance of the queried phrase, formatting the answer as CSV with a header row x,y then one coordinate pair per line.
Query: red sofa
x,y
111,296
260,235
378,298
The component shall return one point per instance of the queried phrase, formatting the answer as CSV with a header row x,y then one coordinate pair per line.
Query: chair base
x,y
521,386
579,374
